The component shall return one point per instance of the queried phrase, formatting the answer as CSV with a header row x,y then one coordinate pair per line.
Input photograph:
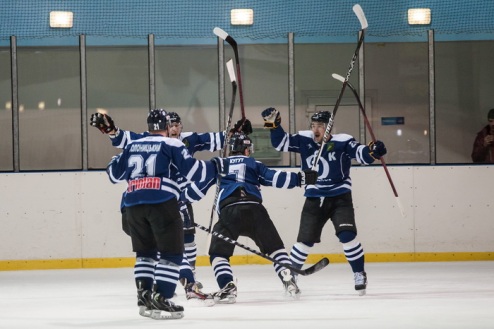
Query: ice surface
x,y
399,295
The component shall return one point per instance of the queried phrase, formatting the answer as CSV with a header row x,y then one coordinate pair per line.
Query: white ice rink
x,y
399,295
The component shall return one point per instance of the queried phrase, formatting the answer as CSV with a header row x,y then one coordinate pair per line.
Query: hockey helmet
x,y
174,118
157,119
239,142
321,116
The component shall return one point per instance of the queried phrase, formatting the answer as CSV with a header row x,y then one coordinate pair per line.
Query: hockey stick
x,y
367,124
231,74
228,38
363,23
308,271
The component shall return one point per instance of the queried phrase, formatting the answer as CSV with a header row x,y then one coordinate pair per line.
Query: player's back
x,y
243,172
151,167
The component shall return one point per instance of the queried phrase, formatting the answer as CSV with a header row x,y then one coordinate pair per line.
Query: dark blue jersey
x,y
246,172
151,167
194,142
335,161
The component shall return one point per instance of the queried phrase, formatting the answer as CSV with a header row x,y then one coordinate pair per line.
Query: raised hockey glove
x,y
377,149
242,126
221,165
184,213
307,177
272,118
103,122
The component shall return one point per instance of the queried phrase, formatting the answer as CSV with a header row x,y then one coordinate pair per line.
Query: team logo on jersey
x,y
186,143
329,147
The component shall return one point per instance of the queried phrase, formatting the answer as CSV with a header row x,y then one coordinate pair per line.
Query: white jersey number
x,y
142,168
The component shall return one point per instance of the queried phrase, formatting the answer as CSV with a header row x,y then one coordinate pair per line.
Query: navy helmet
x,y
321,116
239,142
174,118
157,119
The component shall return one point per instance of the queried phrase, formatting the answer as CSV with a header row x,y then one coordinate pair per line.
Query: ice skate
x,y
360,282
164,309
144,302
290,285
193,293
227,295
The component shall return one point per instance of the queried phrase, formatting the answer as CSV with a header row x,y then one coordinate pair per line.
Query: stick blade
x,y
220,33
231,70
400,206
316,267
359,12
338,77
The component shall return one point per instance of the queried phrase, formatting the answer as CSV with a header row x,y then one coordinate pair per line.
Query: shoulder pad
x,y
306,133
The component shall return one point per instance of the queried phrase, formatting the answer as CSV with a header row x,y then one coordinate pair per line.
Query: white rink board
x,y
64,215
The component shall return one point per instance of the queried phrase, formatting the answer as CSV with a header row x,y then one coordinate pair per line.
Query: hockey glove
x,y
242,125
103,122
307,177
184,213
272,118
377,149
221,165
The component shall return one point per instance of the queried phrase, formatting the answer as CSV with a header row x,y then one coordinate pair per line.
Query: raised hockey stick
x,y
231,41
231,74
363,23
371,132
308,271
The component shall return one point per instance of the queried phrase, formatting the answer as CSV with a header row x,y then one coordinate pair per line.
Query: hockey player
x,y
241,213
194,142
331,196
150,166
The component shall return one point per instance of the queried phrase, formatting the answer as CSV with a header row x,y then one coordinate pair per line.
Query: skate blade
x,y
164,315
292,295
361,292
144,311
227,300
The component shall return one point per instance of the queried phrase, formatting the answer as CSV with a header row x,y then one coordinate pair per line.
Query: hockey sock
x,y
299,253
282,256
190,250
166,274
186,274
144,272
354,253
222,270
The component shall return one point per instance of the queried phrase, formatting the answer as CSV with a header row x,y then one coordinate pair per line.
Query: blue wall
x,y
191,22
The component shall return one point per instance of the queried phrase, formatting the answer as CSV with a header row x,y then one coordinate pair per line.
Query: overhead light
x,y
419,16
242,16
61,19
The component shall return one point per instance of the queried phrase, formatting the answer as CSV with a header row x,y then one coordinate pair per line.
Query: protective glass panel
x,y
187,83
464,95
397,88
6,160
316,89
49,108
118,84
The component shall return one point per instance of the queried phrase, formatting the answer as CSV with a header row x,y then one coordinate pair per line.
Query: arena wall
x,y
72,219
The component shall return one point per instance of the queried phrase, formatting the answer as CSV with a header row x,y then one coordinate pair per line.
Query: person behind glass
x,y
150,167
241,213
331,196
483,146
194,142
